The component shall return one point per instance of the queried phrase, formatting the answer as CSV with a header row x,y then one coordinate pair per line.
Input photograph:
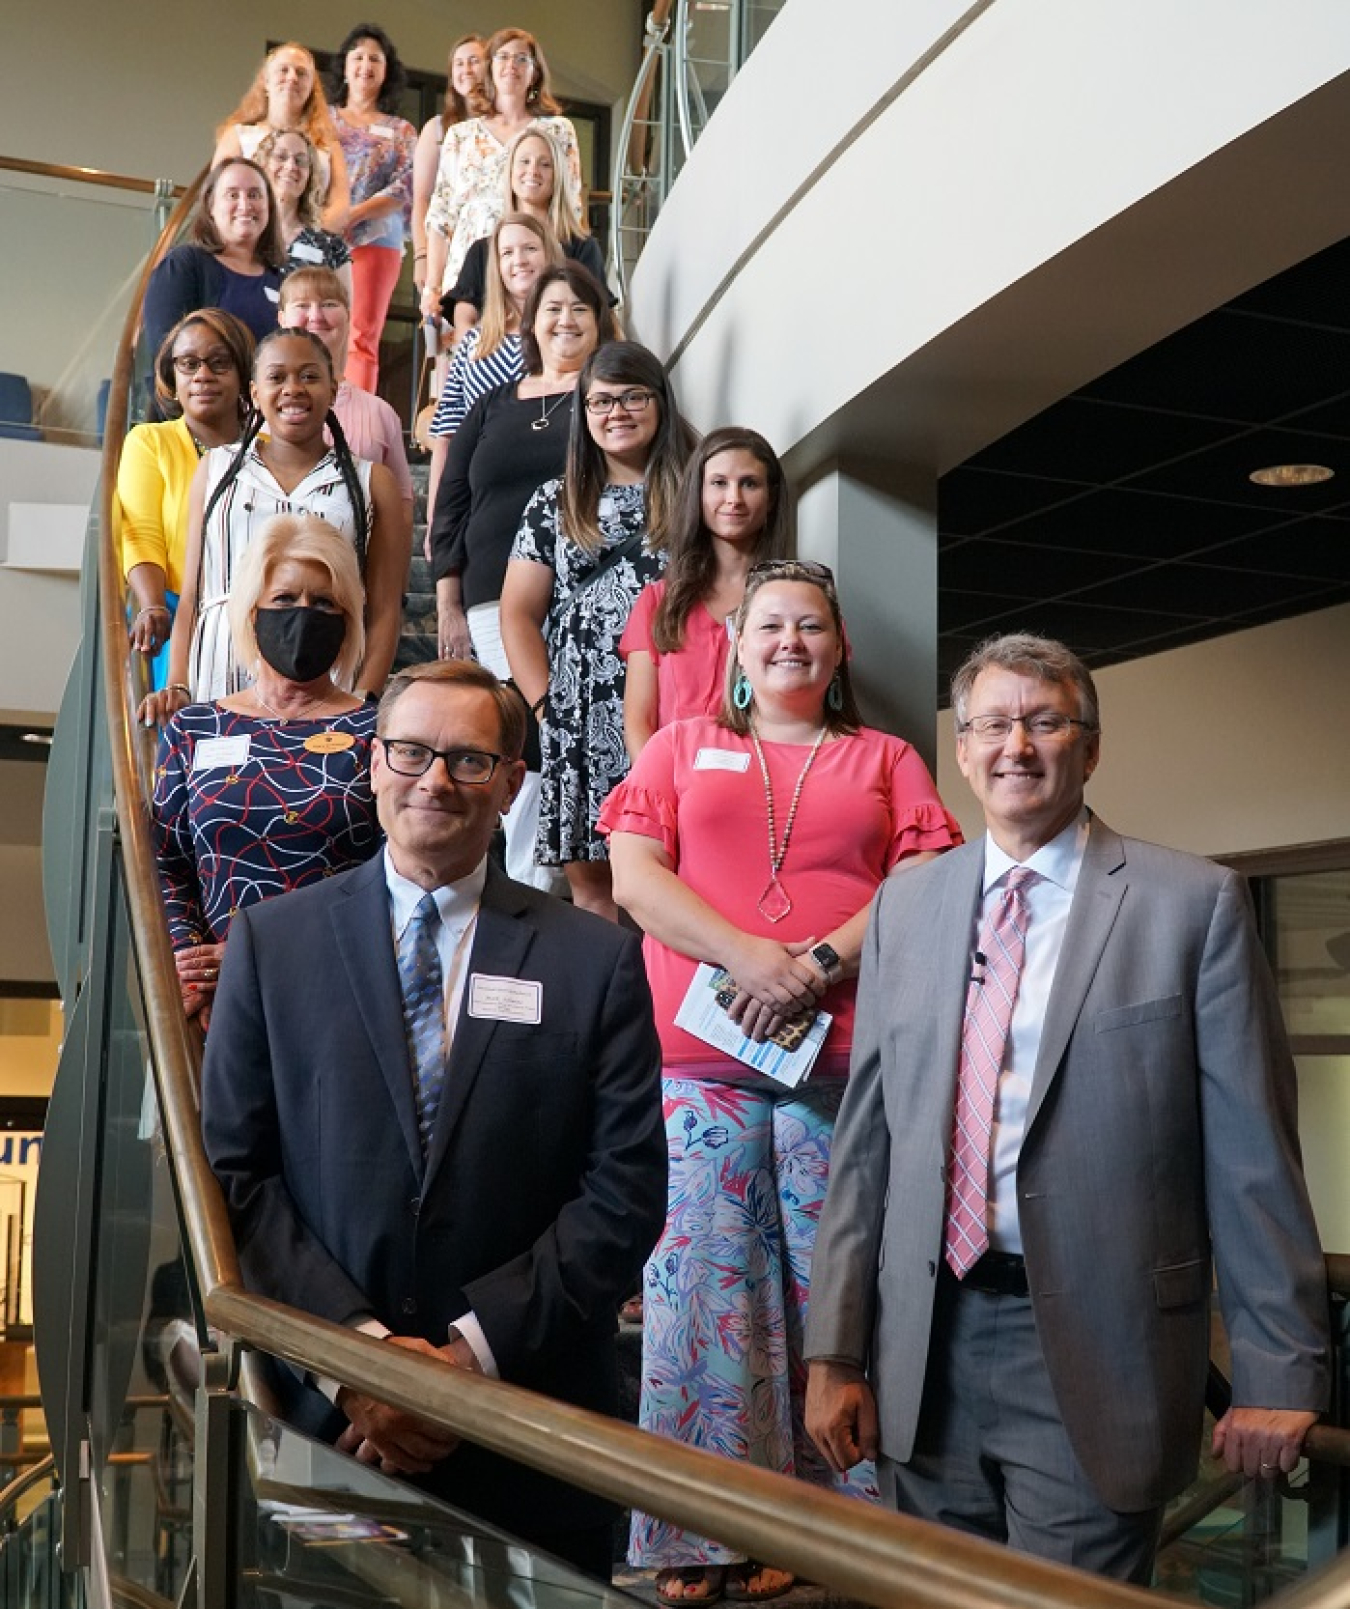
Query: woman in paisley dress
x,y
587,545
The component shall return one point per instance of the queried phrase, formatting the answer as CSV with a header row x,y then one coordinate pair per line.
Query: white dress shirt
x,y
458,905
1048,901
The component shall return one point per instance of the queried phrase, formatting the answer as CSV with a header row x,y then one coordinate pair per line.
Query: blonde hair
x,y
561,219
307,208
320,282
311,540
497,309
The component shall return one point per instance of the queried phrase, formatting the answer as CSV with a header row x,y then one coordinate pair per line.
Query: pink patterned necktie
x,y
984,1037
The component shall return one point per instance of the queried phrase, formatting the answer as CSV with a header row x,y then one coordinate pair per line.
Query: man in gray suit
x,y
1010,1304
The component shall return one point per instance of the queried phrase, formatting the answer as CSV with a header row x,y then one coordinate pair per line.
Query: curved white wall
x,y
993,203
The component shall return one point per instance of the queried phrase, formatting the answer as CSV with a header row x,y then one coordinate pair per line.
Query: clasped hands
x,y
393,1440
776,983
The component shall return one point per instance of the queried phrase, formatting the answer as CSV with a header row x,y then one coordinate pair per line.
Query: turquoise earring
x,y
742,693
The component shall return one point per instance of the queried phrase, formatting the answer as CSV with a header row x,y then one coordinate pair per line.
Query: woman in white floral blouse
x,y
468,199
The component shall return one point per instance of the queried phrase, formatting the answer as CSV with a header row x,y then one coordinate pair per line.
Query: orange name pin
x,y
329,742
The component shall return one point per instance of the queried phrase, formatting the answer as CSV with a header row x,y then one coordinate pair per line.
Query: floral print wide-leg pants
x,y
726,1290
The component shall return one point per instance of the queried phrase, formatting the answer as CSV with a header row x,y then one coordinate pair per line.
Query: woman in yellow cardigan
x,y
201,376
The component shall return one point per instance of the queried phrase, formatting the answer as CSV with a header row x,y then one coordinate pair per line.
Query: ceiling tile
x,y
974,501
1317,548
1081,440
996,566
1198,590
1232,366
1221,472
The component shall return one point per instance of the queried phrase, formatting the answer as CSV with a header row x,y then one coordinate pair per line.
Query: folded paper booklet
x,y
702,1015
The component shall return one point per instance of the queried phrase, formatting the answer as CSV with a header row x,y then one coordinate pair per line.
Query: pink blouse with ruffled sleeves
x,y
867,803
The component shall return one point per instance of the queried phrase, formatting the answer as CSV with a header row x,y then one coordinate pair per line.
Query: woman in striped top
x,y
283,465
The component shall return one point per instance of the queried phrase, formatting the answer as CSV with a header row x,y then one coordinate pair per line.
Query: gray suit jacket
x,y
1161,1133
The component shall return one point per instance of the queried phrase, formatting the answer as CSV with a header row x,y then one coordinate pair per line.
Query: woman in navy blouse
x,y
268,789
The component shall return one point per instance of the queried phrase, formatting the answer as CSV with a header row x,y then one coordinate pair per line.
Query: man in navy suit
x,y
499,1223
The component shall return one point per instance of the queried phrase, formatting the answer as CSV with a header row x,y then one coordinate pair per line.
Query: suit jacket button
x,y
932,1270
410,1304
415,1205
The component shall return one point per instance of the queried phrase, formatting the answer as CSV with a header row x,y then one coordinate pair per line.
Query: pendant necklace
x,y
541,423
774,903
285,720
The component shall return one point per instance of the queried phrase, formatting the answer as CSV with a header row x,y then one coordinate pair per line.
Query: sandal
x,y
773,1582
672,1586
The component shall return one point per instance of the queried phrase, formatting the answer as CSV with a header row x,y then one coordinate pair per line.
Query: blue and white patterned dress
x,y
581,734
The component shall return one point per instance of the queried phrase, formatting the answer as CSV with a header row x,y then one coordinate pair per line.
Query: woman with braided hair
x,y
282,465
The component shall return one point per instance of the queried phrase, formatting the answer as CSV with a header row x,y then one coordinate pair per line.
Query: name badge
x,y
383,130
213,752
306,253
271,293
721,760
329,742
505,999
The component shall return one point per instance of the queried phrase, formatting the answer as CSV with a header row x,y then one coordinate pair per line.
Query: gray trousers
x,y
992,1456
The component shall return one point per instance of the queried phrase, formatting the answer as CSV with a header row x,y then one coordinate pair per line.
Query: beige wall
x,y
1233,745
102,85
90,84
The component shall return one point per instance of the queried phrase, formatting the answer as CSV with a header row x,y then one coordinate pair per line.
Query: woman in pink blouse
x,y
735,510
754,841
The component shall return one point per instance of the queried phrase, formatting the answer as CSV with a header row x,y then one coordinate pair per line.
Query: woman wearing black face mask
x,y
268,789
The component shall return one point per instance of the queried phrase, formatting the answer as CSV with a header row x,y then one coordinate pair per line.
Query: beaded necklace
x,y
774,903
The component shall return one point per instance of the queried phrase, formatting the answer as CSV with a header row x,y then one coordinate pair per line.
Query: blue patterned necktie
x,y
419,972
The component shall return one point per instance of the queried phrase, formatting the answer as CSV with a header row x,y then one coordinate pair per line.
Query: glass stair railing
x,y
691,52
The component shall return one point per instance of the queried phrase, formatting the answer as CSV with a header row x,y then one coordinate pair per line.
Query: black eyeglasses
x,y
630,401
1048,724
472,767
189,363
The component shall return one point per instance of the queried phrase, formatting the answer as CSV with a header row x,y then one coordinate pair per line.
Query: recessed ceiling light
x,y
1291,475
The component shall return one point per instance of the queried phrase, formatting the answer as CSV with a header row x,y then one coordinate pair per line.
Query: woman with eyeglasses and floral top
x,y
754,841
290,161
586,547
201,377
469,196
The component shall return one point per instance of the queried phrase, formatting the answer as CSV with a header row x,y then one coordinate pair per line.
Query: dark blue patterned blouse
x,y
247,808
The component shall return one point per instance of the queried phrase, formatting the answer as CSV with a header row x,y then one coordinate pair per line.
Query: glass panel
x,y
1306,927
30,1567
321,1529
145,1358
64,355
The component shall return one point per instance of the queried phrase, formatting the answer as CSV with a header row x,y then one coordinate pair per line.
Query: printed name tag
x,y
505,999
306,253
720,760
213,752
272,294
383,130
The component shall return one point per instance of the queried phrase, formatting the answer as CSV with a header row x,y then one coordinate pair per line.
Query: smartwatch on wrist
x,y
827,959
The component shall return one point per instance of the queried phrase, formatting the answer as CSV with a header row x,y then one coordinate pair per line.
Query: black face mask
x,y
299,643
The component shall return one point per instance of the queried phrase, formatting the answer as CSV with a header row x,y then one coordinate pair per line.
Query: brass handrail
x,y
877,1557
10,1494
111,181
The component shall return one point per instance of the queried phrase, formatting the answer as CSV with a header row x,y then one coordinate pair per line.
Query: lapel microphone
x,y
981,961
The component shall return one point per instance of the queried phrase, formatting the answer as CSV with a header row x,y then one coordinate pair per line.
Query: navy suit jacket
x,y
544,1186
